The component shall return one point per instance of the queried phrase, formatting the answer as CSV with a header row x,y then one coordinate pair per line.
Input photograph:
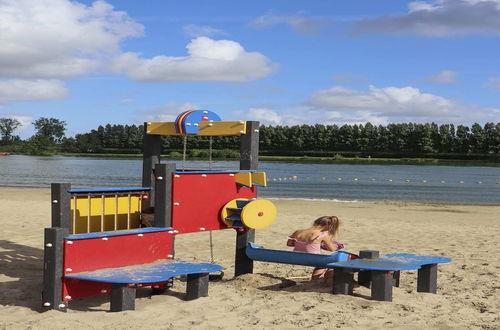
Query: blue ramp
x,y
258,253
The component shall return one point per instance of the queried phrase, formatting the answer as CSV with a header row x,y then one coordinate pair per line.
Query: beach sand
x,y
277,295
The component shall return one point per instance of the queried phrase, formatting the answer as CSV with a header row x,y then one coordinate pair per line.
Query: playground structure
x,y
98,243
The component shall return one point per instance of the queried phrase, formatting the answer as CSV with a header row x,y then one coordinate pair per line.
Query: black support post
x,y
60,201
381,285
163,195
53,269
249,160
427,279
197,286
343,281
395,278
364,276
122,298
151,150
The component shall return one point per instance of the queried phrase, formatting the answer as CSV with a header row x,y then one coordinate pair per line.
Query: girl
x,y
322,233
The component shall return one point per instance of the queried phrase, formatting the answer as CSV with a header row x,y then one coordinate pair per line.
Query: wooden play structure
x,y
99,241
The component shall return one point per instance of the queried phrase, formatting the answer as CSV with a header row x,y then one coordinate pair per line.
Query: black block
x,y
427,279
343,281
197,286
122,298
381,285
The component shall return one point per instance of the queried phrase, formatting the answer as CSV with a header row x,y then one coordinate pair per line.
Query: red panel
x,y
117,251
201,199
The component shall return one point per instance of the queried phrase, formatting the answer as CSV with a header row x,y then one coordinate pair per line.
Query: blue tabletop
x,y
149,273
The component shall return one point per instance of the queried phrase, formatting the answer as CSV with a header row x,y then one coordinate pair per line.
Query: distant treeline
x,y
399,140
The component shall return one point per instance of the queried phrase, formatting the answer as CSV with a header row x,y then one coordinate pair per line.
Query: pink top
x,y
309,247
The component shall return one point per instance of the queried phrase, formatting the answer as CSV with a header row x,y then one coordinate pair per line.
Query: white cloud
x,y
59,38
208,60
307,25
31,90
397,104
167,112
438,18
24,119
193,30
443,77
266,116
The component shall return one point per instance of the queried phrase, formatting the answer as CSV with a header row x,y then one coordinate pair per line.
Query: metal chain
x,y
211,249
184,153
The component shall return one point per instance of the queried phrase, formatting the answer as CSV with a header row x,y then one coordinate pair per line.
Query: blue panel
x,y
148,273
413,258
101,234
256,252
191,121
108,190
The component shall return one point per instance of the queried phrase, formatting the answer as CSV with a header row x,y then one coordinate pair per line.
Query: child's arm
x,y
328,244
291,240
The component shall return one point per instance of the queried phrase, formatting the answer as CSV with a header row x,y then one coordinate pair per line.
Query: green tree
x,y
52,128
7,128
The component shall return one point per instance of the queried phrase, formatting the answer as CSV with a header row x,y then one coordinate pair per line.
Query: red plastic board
x,y
110,252
197,200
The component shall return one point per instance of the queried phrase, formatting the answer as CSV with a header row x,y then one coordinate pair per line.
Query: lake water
x,y
440,184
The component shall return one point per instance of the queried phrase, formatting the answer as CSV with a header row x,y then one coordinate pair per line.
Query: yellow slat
x,y
243,178
216,128
259,178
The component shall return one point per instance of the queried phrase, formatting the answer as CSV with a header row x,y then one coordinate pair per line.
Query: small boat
x,y
3,153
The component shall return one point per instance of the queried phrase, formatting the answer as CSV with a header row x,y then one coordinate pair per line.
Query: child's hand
x,y
339,245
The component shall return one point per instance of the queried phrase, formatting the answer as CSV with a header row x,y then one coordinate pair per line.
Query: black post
x,y
163,195
343,281
53,269
427,279
197,286
364,276
381,285
249,160
122,298
395,278
60,201
151,150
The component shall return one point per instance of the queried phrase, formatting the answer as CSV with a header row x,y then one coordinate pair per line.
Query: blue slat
x,y
101,234
233,217
148,273
108,190
257,252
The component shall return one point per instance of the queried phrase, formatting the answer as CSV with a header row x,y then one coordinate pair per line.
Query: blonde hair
x,y
330,222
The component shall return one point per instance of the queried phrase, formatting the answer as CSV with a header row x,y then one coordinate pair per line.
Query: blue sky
x,y
90,63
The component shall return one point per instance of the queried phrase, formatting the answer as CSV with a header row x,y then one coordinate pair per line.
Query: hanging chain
x,y
211,249
184,153
210,152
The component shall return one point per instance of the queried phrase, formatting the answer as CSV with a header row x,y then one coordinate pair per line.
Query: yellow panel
x,y
216,128
259,178
243,178
258,214
115,216
161,129
222,128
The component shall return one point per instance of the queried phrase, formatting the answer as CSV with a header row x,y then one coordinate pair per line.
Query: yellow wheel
x,y
258,214
232,211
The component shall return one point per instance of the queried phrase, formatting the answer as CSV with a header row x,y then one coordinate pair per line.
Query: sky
x,y
280,62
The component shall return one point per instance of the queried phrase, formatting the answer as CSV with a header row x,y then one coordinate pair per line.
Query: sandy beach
x,y
277,295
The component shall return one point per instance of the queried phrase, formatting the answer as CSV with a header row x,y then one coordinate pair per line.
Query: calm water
x,y
442,184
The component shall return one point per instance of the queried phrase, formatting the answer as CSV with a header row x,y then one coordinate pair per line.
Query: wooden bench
x,y
120,261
